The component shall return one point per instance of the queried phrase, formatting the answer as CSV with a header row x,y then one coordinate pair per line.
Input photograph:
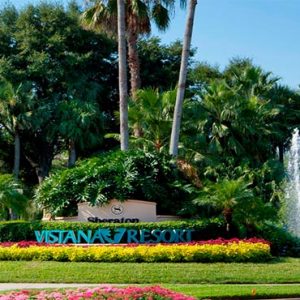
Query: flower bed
x,y
107,292
212,251
219,241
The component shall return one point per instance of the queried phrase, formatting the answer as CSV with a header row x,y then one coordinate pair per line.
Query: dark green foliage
x,y
17,230
11,196
116,175
237,203
21,230
282,242
66,66
160,63
151,111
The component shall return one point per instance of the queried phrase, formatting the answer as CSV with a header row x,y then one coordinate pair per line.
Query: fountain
x,y
293,185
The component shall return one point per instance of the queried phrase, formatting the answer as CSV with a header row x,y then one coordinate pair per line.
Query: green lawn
x,y
213,281
283,271
237,291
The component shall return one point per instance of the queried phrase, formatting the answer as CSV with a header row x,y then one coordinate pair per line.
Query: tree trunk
x,y
227,213
72,154
133,63
41,154
134,69
123,92
42,171
16,170
182,79
17,156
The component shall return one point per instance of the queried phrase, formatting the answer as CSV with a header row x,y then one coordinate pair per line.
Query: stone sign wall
x,y
129,211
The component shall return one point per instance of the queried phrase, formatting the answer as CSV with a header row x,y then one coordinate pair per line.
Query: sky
x,y
267,31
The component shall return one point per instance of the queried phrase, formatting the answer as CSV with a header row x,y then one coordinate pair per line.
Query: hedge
x,y
23,230
241,251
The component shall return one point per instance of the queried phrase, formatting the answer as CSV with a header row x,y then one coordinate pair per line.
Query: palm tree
x,y
79,125
236,201
138,14
11,196
152,111
174,142
237,123
287,100
15,109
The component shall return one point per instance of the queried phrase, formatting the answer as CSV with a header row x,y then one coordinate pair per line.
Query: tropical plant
x,y
160,63
48,39
12,198
237,203
152,111
116,175
102,15
287,102
236,122
80,125
16,106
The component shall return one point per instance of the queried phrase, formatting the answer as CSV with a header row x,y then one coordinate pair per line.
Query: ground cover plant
x,y
238,291
107,292
213,251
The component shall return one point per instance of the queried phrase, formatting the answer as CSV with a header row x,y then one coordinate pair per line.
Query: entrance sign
x,y
116,236
129,211
122,220
117,209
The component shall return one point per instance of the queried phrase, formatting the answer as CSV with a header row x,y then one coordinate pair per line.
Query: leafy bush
x,y
21,230
116,175
235,200
283,243
11,196
241,251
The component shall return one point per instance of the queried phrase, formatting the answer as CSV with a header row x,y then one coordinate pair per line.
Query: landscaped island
x,y
183,175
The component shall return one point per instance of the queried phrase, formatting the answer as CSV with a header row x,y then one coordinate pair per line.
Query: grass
x,y
237,291
279,278
281,271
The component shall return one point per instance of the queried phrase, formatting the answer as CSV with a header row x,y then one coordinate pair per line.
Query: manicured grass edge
x,y
224,291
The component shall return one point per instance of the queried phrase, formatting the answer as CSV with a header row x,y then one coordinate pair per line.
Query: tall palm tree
x,y
102,15
15,109
174,142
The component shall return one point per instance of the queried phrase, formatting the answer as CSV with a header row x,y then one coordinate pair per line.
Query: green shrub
x,y
282,242
11,196
116,175
21,230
